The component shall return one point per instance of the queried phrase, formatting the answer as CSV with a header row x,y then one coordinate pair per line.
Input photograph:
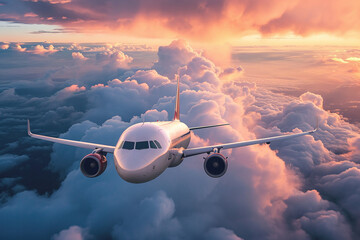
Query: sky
x,y
87,70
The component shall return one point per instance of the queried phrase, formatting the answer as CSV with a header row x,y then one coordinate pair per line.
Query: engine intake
x,y
92,165
215,165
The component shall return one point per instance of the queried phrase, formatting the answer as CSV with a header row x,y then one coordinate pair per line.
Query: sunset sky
x,y
225,21
88,69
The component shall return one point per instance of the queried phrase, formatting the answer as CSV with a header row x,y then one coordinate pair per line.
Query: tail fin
x,y
177,104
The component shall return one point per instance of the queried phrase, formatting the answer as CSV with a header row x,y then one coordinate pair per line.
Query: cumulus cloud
x,y
41,50
18,47
73,232
78,55
300,189
9,161
4,46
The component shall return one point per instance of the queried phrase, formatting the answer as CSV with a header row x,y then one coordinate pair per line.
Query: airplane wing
x,y
209,126
105,148
195,151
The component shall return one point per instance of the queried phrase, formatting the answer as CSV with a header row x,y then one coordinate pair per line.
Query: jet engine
x,y
94,164
215,165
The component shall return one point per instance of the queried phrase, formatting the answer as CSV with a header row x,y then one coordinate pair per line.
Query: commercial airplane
x,y
145,150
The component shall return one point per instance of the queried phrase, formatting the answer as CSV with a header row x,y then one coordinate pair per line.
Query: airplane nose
x,y
138,168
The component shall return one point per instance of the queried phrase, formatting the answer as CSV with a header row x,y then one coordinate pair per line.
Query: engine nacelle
x,y
92,165
215,165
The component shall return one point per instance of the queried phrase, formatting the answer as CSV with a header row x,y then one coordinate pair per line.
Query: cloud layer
x,y
305,188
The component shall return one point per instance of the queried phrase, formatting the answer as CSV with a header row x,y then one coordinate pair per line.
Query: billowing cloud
x,y
9,161
40,49
78,55
4,46
74,232
207,20
304,188
18,48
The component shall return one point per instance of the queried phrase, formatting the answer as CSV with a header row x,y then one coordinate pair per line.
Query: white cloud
x,y
259,197
78,55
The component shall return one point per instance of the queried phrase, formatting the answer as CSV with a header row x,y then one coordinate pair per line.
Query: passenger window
x,y
157,144
128,145
142,145
152,145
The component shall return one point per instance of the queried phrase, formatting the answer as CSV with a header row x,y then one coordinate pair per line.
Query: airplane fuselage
x,y
143,150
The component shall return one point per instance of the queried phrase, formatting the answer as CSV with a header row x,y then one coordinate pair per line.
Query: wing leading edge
x,y
105,148
195,151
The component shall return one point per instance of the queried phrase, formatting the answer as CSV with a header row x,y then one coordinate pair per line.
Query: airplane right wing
x,y
208,126
195,151
105,148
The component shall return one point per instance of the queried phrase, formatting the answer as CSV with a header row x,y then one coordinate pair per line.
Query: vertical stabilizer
x,y
177,101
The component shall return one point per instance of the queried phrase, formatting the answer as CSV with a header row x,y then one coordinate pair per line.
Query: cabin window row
x,y
140,145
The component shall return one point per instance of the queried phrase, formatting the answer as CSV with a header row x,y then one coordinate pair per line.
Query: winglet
x,y
177,104
28,128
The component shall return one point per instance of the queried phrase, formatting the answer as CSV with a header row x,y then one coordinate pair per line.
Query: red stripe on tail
x,y
177,104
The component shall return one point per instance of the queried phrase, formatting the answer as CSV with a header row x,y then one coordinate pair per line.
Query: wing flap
x,y
105,148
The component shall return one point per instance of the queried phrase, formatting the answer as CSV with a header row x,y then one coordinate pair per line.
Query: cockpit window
x,y
128,145
152,145
142,145
157,144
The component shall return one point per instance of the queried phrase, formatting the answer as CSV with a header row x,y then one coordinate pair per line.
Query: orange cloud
x,y
206,20
41,50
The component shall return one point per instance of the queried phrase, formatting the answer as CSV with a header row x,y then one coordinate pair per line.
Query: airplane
x,y
145,150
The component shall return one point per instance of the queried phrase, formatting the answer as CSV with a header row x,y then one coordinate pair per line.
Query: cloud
x,y
221,233
9,161
73,232
171,57
30,14
18,48
41,50
353,59
58,1
339,60
299,189
207,20
4,46
78,55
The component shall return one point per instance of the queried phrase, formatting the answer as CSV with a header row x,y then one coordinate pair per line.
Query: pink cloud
x,y
78,55
30,14
41,50
4,46
18,47
206,20
74,88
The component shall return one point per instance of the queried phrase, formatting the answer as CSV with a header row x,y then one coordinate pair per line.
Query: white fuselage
x,y
143,150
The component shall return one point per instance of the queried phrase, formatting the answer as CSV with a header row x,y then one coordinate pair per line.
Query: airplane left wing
x,y
105,148
195,151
